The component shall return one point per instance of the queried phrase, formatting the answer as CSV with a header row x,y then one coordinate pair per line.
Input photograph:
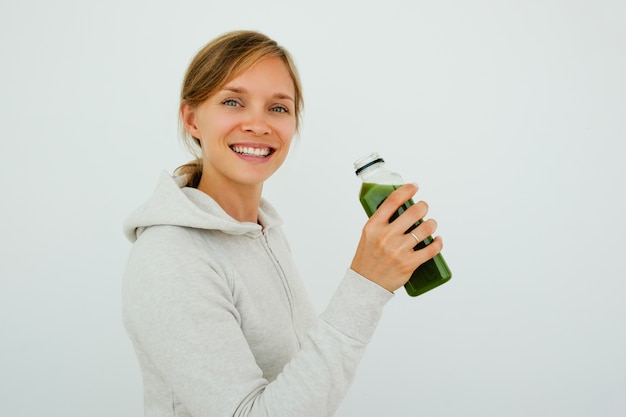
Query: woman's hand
x,y
385,253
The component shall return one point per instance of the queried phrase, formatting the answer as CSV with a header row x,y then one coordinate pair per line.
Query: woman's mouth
x,y
251,151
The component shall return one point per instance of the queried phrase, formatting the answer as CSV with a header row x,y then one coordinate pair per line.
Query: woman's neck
x,y
241,202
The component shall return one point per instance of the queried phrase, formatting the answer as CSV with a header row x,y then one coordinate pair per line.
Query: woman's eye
x,y
230,103
280,109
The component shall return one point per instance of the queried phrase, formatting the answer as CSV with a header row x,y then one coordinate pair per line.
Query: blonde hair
x,y
214,65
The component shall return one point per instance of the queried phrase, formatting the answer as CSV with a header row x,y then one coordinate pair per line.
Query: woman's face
x,y
246,127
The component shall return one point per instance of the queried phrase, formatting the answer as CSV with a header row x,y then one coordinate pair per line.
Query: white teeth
x,y
247,150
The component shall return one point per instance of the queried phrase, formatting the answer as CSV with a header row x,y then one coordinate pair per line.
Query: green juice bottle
x,y
378,183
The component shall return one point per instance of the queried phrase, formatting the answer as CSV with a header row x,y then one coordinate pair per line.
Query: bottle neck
x,y
369,163
379,174
371,170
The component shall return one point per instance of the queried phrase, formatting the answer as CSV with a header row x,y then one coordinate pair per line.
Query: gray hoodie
x,y
220,320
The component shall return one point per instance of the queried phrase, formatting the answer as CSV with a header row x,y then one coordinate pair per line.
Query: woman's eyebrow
x,y
240,90
235,89
284,96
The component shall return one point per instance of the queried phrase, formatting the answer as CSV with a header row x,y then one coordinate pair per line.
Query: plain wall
x,y
510,116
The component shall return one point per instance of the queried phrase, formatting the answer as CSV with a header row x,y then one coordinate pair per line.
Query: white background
x,y
510,115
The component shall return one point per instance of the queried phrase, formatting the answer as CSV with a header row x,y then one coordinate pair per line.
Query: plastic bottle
x,y
378,183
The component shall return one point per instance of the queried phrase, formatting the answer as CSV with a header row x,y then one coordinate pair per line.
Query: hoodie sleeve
x,y
181,316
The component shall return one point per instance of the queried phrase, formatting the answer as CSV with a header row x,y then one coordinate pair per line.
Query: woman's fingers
x,y
421,232
412,215
424,254
396,199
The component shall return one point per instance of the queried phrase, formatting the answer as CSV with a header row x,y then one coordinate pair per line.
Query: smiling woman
x,y
212,301
219,62
244,130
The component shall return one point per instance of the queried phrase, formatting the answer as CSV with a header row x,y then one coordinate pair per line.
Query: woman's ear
x,y
188,117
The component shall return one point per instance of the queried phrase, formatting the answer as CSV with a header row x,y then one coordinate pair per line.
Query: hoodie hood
x,y
172,204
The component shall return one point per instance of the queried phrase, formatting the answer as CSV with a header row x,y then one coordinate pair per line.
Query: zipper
x,y
285,282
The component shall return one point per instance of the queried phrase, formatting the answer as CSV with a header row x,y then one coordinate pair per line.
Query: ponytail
x,y
192,171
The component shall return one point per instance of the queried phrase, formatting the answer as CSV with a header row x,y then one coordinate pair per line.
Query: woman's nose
x,y
256,122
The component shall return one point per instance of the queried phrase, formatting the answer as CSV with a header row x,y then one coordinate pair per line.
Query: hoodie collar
x,y
172,204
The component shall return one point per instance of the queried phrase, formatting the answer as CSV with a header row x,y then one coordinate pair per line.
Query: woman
x,y
212,302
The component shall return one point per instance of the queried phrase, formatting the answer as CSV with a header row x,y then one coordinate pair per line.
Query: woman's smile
x,y
256,151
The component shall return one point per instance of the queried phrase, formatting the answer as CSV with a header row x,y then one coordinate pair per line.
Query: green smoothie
x,y
430,274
